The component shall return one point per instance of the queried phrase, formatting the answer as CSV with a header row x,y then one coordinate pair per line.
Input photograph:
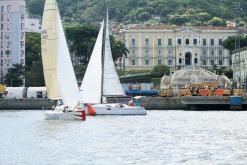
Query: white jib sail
x,y
111,82
91,87
65,73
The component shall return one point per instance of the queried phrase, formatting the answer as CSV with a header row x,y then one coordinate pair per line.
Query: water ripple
x,y
161,137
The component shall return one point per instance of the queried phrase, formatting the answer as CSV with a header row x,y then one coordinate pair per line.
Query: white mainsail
x,y
91,87
65,77
111,82
49,48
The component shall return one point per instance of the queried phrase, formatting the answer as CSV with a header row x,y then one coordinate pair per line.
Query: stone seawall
x,y
163,103
150,103
24,104
185,103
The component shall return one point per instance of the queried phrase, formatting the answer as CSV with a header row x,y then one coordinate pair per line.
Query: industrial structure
x,y
194,78
12,34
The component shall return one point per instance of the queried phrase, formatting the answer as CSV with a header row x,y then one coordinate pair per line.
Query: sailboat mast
x,y
103,57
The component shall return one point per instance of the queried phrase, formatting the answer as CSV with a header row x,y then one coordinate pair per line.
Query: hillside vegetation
x,y
178,12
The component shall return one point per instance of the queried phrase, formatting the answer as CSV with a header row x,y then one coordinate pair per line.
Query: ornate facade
x,y
176,47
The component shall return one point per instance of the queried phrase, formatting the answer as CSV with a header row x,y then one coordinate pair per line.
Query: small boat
x,y
59,74
101,79
118,109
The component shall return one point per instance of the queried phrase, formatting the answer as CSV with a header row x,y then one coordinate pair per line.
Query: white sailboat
x,y
101,79
59,74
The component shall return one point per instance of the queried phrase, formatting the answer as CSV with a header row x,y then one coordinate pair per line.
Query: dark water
x,y
161,137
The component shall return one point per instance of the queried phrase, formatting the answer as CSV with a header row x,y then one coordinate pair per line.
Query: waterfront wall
x,y
163,103
194,103
24,104
150,103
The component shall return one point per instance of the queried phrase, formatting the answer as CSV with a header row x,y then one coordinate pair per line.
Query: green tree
x,y
81,39
144,16
130,11
35,76
32,49
161,69
33,70
203,16
35,7
178,19
216,21
14,77
229,43
118,48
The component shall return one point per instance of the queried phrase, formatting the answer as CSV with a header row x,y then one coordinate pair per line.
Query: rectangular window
x,y
220,42
204,57
179,41
180,61
8,52
159,57
212,57
22,44
22,26
133,62
133,42
169,62
212,42
204,62
159,62
2,8
195,41
146,55
195,61
159,42
169,41
22,17
146,62
187,41
220,57
204,42
133,57
22,61
169,58
146,42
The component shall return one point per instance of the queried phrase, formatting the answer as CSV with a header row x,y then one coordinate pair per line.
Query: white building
x,y
239,66
33,24
12,34
177,47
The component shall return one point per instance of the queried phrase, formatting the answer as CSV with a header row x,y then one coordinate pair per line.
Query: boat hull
x,y
113,109
60,115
